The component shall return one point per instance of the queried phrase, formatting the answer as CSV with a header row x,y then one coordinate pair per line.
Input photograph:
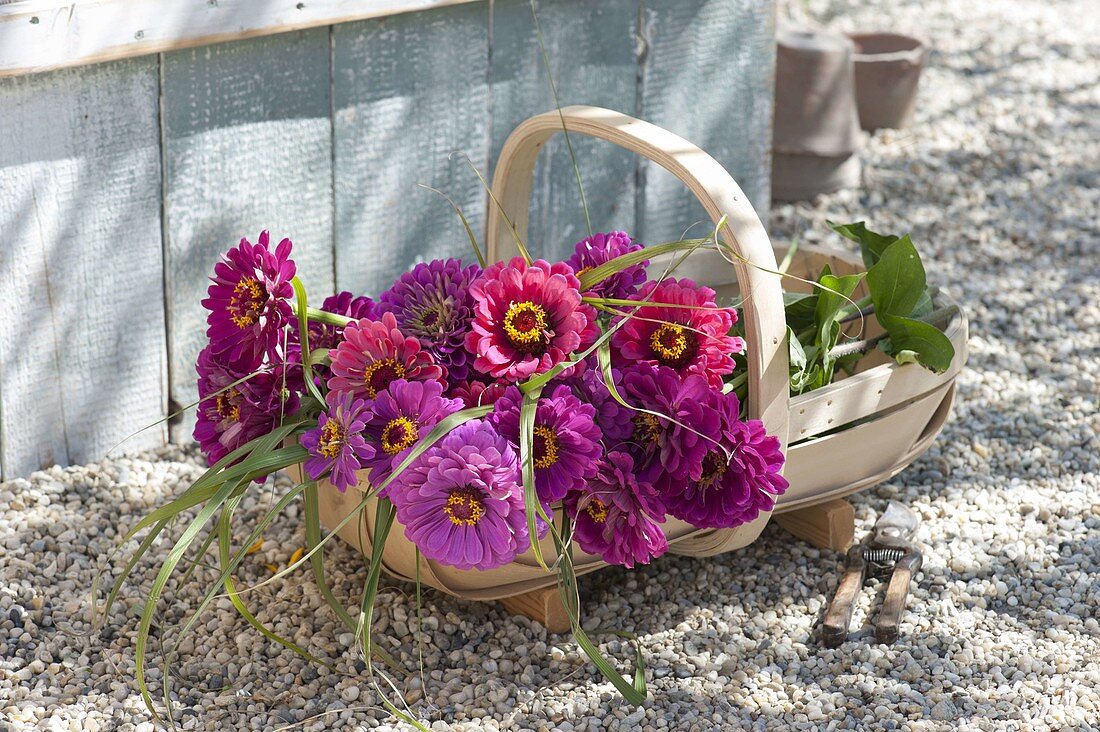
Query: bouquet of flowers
x,y
486,406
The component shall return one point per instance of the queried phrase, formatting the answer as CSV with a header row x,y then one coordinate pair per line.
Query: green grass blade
x,y
531,503
598,274
465,223
520,246
313,539
324,316
303,338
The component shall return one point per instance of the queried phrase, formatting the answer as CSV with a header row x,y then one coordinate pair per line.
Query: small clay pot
x,y
888,67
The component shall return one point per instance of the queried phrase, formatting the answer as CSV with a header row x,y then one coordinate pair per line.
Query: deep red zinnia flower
x,y
374,354
527,318
249,300
692,339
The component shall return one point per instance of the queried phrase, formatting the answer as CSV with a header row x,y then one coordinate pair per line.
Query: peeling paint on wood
x,y
707,75
82,346
410,90
247,146
590,67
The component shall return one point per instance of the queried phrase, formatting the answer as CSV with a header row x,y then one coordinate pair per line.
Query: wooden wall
x,y
121,182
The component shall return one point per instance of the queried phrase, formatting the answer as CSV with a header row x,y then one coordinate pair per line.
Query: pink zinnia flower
x,y
249,300
230,416
461,503
618,517
693,339
527,318
374,353
739,479
337,444
566,441
400,416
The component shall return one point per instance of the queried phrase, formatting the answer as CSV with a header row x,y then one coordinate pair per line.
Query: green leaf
x,y
897,281
871,245
923,341
831,300
799,309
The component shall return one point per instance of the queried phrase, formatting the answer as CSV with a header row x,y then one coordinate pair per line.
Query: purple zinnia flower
x,y
618,517
231,416
461,503
401,415
249,302
739,479
337,444
614,420
432,303
527,318
374,354
678,444
566,442
602,248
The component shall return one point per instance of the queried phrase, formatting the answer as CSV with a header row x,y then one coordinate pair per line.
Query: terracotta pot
x,y
816,130
888,67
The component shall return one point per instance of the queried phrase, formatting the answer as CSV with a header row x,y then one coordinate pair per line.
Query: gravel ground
x,y
998,182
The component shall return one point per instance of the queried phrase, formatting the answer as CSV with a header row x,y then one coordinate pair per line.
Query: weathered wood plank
x,y
248,146
40,35
707,74
591,50
82,330
409,90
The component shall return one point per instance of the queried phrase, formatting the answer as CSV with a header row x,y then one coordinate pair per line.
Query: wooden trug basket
x,y
848,436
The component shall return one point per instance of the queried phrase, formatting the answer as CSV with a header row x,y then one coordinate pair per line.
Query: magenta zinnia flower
x,y
678,445
337,445
475,393
566,442
432,303
693,339
618,517
614,420
460,502
374,353
401,415
249,300
231,416
602,248
527,318
739,479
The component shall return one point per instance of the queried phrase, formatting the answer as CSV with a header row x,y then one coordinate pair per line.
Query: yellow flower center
x,y
226,406
399,434
245,302
380,374
332,439
525,324
545,447
673,345
597,510
647,428
715,465
464,507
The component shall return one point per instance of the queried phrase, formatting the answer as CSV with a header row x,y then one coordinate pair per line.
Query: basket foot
x,y
828,525
543,606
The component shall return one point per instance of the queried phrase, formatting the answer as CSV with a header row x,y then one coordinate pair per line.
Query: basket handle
x,y
743,235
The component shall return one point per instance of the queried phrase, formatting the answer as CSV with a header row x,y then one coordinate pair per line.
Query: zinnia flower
x,y
325,335
460,501
614,420
740,476
693,339
475,393
680,426
374,353
527,318
400,416
230,416
566,441
432,303
618,517
337,445
249,300
602,248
